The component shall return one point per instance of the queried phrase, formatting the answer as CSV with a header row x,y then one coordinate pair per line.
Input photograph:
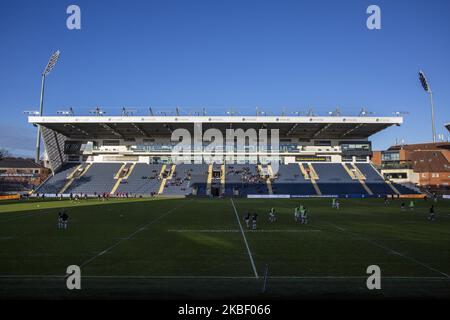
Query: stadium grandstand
x,y
133,155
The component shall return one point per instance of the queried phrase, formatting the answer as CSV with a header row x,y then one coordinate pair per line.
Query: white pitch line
x,y
204,230
139,229
393,251
282,231
245,240
236,230
218,277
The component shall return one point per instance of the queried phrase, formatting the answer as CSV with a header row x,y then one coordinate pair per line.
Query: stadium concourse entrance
x,y
215,190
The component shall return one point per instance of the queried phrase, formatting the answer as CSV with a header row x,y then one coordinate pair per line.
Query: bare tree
x,y
4,153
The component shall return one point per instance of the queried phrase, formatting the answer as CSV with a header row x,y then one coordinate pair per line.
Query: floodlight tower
x,y
50,65
427,88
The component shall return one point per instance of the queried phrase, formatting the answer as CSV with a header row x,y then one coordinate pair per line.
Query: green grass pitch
x,y
195,248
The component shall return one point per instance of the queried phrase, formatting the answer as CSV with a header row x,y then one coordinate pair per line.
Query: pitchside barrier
x,y
93,196
287,196
10,197
349,196
249,196
414,196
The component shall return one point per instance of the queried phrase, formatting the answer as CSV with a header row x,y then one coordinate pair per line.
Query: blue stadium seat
x,y
334,180
290,180
245,179
98,179
56,182
374,180
185,177
143,180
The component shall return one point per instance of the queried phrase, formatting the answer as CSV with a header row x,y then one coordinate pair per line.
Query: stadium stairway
x,y
243,179
215,180
78,172
383,186
122,175
164,175
70,178
184,177
375,181
311,175
56,182
234,179
209,179
356,174
404,189
412,187
291,180
334,180
222,179
141,179
268,175
98,178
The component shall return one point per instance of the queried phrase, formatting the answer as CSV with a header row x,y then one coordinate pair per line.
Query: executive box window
x,y
391,156
355,146
396,175
347,158
111,142
322,143
312,158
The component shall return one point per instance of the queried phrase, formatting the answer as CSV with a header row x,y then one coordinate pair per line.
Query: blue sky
x,y
222,54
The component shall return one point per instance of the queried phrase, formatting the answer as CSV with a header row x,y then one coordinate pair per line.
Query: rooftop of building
x,y
19,163
304,127
422,146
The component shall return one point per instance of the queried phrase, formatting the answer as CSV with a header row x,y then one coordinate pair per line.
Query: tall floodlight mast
x,y
49,67
427,88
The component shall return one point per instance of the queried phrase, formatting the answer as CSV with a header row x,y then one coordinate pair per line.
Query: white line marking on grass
x,y
389,250
282,231
354,277
131,235
219,277
245,240
204,230
236,230
339,228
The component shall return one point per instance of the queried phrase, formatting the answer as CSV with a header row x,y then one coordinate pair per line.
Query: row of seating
x,y
143,179
290,180
184,177
240,179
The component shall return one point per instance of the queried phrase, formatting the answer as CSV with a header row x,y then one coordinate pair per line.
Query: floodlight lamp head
x,y
51,63
424,82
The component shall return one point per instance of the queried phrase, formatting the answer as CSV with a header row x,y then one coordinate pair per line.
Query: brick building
x,y
426,164
19,174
